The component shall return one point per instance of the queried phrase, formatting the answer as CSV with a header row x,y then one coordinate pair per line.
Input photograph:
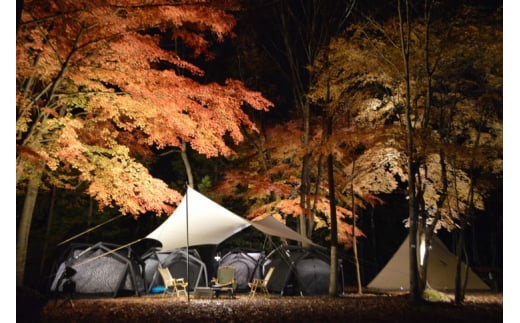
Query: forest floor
x,y
350,307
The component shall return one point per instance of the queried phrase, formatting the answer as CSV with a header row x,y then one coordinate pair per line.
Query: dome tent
x,y
246,263
176,261
100,269
299,271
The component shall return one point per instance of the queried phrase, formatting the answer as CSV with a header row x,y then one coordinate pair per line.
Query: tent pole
x,y
187,245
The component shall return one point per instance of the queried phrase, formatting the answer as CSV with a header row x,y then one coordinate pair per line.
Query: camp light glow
x,y
422,251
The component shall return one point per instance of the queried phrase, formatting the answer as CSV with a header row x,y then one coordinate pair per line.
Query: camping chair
x,y
260,284
225,280
177,285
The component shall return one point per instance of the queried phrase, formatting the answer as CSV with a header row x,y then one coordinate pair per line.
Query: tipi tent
x,y
178,264
298,271
247,264
101,269
200,221
441,270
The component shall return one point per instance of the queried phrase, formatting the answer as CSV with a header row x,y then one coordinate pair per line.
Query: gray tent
x,y
299,271
441,270
176,261
100,269
247,264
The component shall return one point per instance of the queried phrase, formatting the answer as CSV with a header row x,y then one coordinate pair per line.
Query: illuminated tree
x,y
293,33
98,85
275,191
420,97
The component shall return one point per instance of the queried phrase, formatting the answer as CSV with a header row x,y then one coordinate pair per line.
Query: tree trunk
x,y
50,219
24,227
187,166
333,229
298,92
333,291
356,259
310,223
304,193
460,286
90,214
461,247
466,272
19,9
354,239
415,292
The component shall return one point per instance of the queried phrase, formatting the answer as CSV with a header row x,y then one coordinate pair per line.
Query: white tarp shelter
x,y
208,223
441,270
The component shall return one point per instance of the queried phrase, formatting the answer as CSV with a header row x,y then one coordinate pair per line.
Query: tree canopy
x,y
460,118
101,83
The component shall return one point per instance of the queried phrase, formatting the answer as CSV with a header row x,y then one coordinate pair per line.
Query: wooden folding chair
x,y
260,284
177,285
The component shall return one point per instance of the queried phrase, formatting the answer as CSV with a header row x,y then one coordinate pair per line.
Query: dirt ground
x,y
482,307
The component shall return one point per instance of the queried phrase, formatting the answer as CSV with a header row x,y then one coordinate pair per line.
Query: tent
x,y
272,227
441,270
100,269
247,264
177,263
299,271
200,221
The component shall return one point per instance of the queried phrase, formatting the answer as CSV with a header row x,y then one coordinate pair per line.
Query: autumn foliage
x,y
274,190
101,83
456,107
358,80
